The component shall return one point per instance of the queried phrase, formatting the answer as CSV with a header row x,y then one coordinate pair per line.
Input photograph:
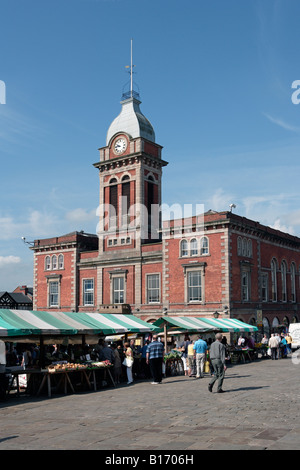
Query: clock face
x,y
120,145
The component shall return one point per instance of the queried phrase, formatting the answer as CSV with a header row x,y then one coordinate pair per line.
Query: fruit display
x,y
70,366
65,367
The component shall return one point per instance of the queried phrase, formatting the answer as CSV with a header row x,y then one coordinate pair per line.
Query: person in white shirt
x,y
273,344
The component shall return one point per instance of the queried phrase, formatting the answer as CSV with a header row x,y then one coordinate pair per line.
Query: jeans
x,y
218,371
129,374
200,361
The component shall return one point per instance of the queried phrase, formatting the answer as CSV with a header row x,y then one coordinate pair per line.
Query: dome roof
x,y
132,121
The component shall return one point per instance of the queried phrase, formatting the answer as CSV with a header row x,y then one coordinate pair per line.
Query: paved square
x,y
260,410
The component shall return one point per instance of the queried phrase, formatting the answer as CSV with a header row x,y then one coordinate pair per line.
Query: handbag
x,y
128,361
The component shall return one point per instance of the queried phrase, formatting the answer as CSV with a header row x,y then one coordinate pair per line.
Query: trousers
x,y
219,372
200,361
156,369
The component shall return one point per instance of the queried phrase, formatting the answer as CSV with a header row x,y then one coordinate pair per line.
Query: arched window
x,y
244,247
204,246
125,200
113,202
60,261
266,326
184,248
293,282
194,247
274,279
239,246
283,281
249,248
54,262
47,263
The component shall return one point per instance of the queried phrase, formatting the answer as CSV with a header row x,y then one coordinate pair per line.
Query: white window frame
x,y
204,246
47,263
198,268
150,289
194,247
184,252
61,261
54,262
90,291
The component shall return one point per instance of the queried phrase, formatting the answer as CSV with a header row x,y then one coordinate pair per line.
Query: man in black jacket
x,y
217,359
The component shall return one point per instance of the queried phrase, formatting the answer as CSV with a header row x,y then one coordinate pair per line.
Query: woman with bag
x,y
128,362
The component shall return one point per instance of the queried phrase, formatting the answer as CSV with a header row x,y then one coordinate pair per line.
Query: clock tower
x,y
130,171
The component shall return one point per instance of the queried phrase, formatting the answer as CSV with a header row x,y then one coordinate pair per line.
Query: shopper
x,y
128,362
217,358
155,357
289,341
273,344
117,363
183,347
200,348
191,361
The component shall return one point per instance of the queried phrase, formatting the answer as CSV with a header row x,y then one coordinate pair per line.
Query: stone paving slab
x,y
259,411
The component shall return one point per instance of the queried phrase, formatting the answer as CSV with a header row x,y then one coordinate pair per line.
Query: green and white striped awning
x,y
230,325
15,323
185,324
203,324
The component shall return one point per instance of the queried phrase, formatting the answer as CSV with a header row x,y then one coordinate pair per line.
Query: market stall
x,y
23,326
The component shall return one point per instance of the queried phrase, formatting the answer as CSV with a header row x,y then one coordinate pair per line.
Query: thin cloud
x,y
282,124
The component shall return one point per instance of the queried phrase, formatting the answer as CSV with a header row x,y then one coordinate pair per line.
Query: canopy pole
x,y
42,353
165,337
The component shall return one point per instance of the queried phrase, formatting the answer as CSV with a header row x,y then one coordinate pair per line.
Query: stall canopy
x,y
203,325
40,323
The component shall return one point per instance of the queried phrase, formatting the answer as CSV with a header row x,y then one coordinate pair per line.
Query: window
x,y
194,286
239,246
47,263
194,247
61,262
244,247
88,291
264,287
54,262
249,249
153,289
293,282
283,281
184,248
53,294
113,203
274,279
245,286
204,246
118,290
125,200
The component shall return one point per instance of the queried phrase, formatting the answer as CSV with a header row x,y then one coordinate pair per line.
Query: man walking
x,y
217,358
155,357
200,348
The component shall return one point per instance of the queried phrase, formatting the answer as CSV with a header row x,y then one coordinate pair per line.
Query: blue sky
x,y
215,81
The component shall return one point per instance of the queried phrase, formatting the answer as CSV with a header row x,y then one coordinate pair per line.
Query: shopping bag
x,y
206,367
269,352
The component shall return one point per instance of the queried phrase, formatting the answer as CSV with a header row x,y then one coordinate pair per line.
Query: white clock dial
x,y
120,146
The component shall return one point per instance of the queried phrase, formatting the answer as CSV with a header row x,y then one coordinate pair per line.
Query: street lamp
x,y
28,243
216,314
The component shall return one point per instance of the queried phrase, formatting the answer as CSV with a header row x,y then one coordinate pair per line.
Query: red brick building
x,y
218,262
